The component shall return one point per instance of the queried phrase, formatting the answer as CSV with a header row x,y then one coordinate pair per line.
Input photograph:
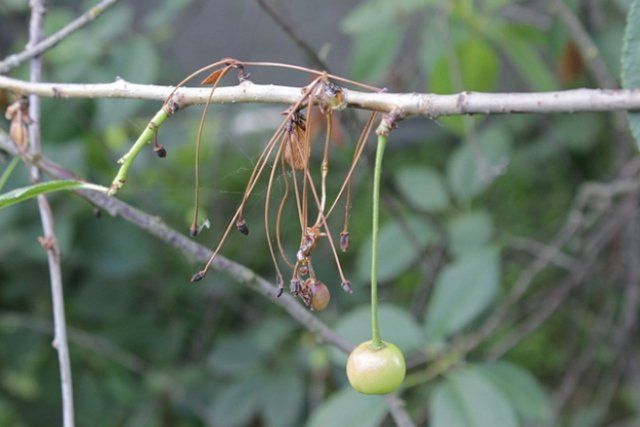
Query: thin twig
x,y
423,104
614,223
311,54
200,253
114,352
601,195
560,259
49,241
37,49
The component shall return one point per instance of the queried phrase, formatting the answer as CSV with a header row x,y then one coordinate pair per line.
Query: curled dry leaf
x,y
297,148
214,77
18,114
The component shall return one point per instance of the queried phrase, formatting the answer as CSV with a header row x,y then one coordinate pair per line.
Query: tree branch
x,y
49,241
194,250
37,49
423,104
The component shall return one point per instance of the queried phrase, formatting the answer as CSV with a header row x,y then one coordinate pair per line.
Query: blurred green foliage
x,y
148,349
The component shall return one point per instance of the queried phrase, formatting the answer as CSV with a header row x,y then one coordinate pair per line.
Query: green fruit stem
x,y
375,226
145,137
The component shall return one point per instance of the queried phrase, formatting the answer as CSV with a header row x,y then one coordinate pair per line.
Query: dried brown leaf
x,y
18,134
214,77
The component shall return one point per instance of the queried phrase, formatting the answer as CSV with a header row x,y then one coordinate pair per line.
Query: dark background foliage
x,y
469,204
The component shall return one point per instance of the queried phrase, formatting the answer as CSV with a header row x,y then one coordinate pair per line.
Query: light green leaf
x,y
526,59
368,14
631,61
24,193
349,408
396,324
378,15
431,50
469,232
113,23
283,399
136,61
445,408
478,64
463,172
609,41
236,404
463,290
468,399
163,16
374,51
423,187
235,355
399,252
531,402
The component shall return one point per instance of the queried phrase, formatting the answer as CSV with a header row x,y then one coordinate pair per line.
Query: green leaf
x,y
378,15
446,408
113,23
236,404
349,408
283,399
424,187
235,355
163,16
526,59
468,399
374,51
398,249
396,324
631,61
531,402
431,51
463,290
24,193
609,41
469,232
136,61
463,175
478,64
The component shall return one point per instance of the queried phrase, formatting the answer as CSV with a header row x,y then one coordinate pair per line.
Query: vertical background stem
x,y
49,241
375,226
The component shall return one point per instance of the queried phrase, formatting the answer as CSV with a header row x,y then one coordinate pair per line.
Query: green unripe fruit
x,y
374,370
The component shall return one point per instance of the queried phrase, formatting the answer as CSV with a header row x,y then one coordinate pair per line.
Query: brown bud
x,y
197,277
346,285
18,114
241,225
160,150
193,230
344,241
